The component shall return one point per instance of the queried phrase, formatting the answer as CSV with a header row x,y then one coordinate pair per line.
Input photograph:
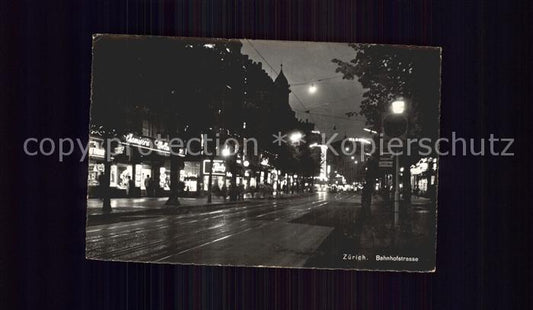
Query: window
x,y
146,128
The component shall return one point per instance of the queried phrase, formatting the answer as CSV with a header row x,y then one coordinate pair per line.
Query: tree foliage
x,y
387,73
192,87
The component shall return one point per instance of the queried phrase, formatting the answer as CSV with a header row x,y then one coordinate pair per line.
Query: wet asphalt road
x,y
312,231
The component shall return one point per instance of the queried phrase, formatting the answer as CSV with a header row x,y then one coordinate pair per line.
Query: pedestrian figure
x,y
240,193
224,191
366,198
131,187
148,185
181,187
101,186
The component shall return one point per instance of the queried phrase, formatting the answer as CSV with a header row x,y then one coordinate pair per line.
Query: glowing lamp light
x,y
246,163
312,89
296,137
226,152
398,106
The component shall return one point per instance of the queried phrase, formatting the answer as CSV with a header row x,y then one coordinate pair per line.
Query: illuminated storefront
x,y
142,159
219,174
423,176
190,176
145,162
96,164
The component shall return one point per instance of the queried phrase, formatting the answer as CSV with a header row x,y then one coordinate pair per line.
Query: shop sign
x,y
219,168
264,161
385,164
162,145
96,152
119,149
139,141
159,145
385,161
420,167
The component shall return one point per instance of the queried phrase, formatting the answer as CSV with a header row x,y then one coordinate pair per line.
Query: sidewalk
x,y
409,233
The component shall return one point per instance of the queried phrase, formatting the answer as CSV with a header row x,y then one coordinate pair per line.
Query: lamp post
x,y
229,163
398,108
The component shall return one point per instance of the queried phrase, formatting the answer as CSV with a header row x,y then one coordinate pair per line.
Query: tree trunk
x,y
173,199
407,185
210,181
232,165
105,187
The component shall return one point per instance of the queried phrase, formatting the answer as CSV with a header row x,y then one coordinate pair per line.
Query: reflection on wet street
x,y
312,231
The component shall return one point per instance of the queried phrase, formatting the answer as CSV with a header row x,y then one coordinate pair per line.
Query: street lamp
x,y
370,130
246,163
398,106
312,89
295,137
226,152
399,126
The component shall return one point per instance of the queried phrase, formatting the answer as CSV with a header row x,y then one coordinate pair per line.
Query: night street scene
x,y
262,153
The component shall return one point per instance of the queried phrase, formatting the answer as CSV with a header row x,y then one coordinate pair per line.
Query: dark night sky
x,y
308,62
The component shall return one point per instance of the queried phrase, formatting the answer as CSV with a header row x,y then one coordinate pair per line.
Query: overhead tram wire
x,y
306,110
332,116
317,80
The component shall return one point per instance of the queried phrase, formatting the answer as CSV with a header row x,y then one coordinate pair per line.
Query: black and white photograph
x,y
258,153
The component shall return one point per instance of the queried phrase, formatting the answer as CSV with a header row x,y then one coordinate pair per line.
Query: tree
x,y
387,73
108,104
190,86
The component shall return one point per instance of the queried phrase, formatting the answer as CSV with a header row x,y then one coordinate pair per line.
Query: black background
x,y
484,234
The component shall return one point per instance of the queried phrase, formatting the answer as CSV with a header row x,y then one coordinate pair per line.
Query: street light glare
x,y
398,107
225,152
370,130
295,137
312,89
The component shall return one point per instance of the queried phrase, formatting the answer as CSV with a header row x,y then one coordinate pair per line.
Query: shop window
x,y
145,175
164,178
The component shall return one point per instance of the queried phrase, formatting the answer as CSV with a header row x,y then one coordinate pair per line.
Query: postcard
x,y
254,153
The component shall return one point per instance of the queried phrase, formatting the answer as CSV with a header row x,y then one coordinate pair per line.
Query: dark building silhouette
x,y
232,94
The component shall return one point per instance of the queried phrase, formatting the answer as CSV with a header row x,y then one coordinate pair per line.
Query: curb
x,y
176,210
